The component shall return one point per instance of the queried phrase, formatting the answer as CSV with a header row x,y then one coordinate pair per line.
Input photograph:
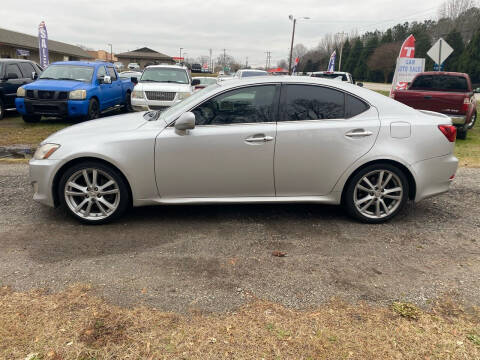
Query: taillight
x,y
466,104
449,131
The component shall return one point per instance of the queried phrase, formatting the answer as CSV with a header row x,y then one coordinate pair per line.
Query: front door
x,y
105,90
320,133
14,81
230,151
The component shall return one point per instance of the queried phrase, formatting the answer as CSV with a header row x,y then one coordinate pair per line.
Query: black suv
x,y
13,74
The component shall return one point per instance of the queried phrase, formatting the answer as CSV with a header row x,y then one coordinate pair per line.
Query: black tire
x,y
462,133
2,109
124,201
349,195
127,105
93,110
31,118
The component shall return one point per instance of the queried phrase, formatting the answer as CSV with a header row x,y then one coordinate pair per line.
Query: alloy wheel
x,y
378,194
92,194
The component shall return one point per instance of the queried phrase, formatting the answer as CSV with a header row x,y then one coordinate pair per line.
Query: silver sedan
x,y
260,140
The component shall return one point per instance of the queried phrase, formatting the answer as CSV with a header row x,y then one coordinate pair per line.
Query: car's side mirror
x,y
34,75
360,84
477,91
134,80
107,79
185,122
11,76
195,82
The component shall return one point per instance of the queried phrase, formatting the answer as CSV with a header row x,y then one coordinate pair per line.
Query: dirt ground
x,y
216,258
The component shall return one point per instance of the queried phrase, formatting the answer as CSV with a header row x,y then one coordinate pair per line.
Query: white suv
x,y
161,86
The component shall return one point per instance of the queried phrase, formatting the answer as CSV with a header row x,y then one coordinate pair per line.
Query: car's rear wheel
x,y
376,193
93,192
31,118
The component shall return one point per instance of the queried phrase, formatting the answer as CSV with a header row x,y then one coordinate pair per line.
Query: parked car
x,y
204,81
118,65
335,75
74,89
133,66
13,74
243,73
449,93
130,75
196,68
238,142
162,86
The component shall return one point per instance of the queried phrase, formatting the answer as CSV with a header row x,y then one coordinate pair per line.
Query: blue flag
x,y
331,63
43,44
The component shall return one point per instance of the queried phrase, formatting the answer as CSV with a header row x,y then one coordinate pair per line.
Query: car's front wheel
x,y
127,106
376,193
2,109
31,118
93,192
93,109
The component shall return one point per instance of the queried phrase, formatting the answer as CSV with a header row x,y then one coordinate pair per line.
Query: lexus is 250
x,y
258,140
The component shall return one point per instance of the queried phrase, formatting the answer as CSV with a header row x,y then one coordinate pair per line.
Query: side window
x,y
26,69
101,72
252,104
354,106
112,74
13,69
310,102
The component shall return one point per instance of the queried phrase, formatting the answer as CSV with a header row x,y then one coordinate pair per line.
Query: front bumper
x,y
42,173
56,108
434,176
144,104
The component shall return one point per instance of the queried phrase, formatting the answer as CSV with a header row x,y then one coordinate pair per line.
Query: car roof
x,y
253,70
166,66
82,63
15,60
330,72
451,73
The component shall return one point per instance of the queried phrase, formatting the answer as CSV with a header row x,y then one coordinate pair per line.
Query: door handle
x,y
358,133
428,97
259,139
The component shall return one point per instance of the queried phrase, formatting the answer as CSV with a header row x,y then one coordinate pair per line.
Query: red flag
x,y
408,48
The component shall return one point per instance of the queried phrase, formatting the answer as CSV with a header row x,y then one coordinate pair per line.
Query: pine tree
x,y
345,54
354,55
469,61
454,39
361,71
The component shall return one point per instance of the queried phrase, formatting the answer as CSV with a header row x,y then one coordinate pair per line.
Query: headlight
x,y
20,92
77,95
137,94
183,95
44,151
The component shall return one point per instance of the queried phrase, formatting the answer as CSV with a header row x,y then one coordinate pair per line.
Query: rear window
x,y
440,83
342,77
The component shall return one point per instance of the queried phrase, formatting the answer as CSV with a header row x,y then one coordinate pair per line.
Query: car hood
x,y
108,125
167,87
58,85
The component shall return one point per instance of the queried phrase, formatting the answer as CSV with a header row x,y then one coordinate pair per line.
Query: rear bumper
x,y
57,108
458,120
434,176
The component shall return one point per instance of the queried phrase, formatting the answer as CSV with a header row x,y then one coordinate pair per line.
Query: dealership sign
x,y
43,44
407,69
22,52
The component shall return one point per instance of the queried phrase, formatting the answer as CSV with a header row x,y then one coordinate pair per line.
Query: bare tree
x,y
384,59
282,64
452,9
299,51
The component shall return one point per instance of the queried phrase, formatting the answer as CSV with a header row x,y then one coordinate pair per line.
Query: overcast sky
x,y
246,28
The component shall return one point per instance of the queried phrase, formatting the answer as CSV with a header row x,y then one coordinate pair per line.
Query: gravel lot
x,y
214,258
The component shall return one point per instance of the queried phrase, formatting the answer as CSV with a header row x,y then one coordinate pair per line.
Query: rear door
x,y
320,133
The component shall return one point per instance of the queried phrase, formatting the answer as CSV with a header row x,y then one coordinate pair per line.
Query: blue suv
x,y
74,89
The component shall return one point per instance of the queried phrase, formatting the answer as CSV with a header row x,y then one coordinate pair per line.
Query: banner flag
x,y
43,44
331,63
295,65
406,51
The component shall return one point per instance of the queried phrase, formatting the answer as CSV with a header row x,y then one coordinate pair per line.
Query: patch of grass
x,y
406,310
13,130
74,324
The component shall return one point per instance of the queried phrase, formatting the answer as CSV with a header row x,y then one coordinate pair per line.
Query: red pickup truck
x,y
449,93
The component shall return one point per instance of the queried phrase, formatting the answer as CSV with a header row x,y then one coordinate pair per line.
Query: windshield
x,y
184,104
440,83
253,73
333,76
165,75
68,72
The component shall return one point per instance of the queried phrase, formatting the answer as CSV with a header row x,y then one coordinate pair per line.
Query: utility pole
x,y
210,65
291,46
267,60
224,59
246,63
111,52
341,51
180,53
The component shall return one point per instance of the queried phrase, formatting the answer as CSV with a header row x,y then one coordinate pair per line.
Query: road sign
x,y
440,51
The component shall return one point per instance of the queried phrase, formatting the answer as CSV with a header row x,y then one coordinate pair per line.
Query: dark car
x,y
13,74
196,68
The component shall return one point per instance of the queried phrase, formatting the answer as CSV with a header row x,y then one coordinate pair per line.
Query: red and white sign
x,y
406,51
176,58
